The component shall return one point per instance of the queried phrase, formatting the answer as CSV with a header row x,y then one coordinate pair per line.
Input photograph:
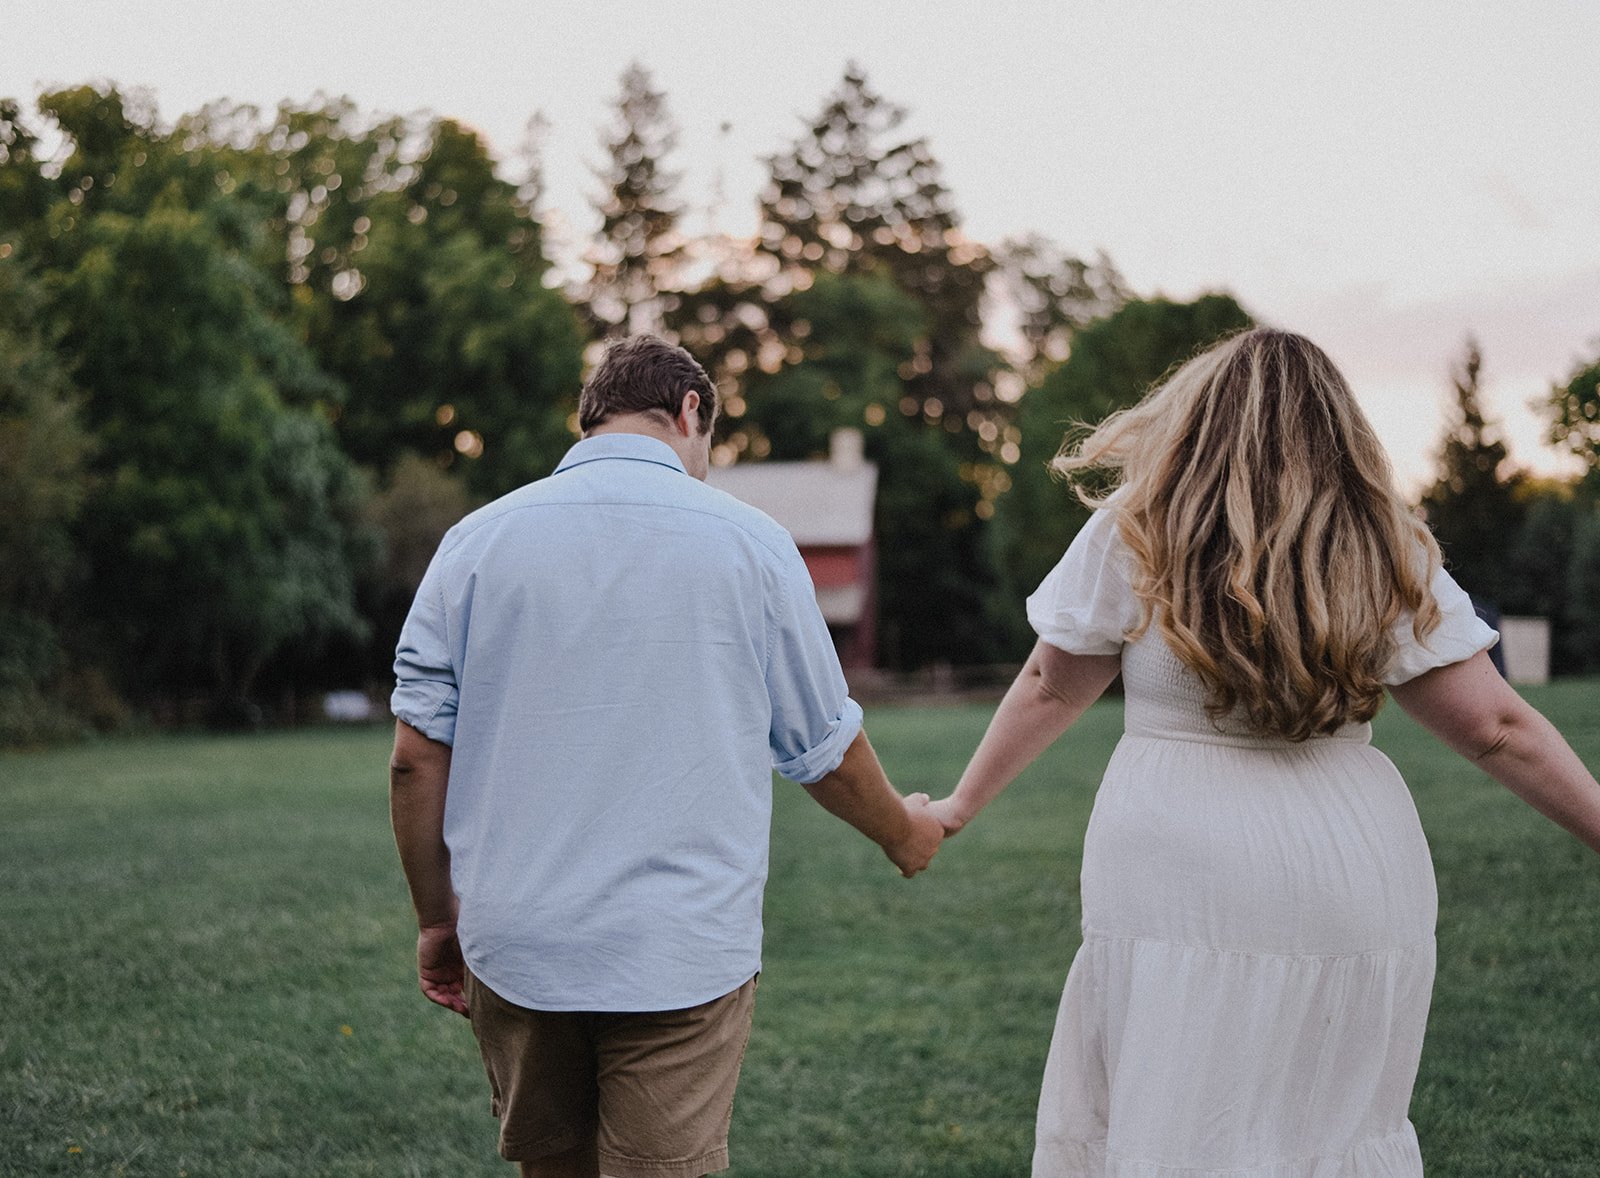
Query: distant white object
x,y
846,449
1525,642
827,507
822,504
842,605
347,707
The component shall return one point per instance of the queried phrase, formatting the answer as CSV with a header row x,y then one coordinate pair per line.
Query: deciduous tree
x,y
1113,362
43,482
1575,416
416,274
220,526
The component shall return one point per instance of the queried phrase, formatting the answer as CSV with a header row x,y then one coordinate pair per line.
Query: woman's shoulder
x,y
1460,634
1086,603
1103,529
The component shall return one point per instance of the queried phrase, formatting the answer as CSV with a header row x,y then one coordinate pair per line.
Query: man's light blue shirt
x,y
620,656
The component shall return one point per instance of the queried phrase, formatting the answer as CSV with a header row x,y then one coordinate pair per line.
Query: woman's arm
x,y
1478,714
1051,691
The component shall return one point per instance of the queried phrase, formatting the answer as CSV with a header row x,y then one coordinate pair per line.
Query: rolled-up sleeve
x,y
426,691
814,720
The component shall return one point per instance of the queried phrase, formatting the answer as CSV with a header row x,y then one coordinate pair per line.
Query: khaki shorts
x,y
652,1091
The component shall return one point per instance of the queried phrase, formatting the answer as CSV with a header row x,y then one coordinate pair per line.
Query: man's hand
x,y
858,792
916,849
440,969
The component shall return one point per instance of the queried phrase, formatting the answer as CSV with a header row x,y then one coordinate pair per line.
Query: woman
x,y
1258,899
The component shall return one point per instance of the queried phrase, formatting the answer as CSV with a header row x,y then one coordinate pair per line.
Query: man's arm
x,y
859,793
419,773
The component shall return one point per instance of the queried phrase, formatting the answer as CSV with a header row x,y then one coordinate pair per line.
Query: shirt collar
x,y
635,447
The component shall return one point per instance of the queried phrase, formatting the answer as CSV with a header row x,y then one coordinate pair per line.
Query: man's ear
x,y
688,422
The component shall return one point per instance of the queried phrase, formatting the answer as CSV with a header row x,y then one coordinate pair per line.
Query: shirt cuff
x,y
428,707
824,757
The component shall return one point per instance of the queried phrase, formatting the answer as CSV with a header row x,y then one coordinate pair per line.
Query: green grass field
x,y
206,969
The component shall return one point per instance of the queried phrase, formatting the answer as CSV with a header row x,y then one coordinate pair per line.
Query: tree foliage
x,y
1578,640
408,516
1114,361
253,363
416,275
43,482
1575,416
219,527
853,195
1054,296
250,303
1539,565
857,332
637,253
1475,506
862,304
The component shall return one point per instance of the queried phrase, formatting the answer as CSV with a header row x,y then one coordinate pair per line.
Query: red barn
x,y
827,507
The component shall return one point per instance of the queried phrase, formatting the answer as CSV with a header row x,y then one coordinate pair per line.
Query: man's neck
x,y
637,423
688,449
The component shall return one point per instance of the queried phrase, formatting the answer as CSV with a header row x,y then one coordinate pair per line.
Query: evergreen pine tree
x,y
637,252
1473,506
852,195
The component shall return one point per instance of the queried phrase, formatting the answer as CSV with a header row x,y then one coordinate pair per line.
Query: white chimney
x,y
845,449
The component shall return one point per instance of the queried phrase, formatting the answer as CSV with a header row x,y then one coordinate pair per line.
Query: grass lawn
x,y
206,969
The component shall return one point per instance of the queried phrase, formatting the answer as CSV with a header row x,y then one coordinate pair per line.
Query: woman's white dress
x,y
1250,997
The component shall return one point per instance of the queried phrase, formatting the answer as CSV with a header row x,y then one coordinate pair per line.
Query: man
x,y
597,677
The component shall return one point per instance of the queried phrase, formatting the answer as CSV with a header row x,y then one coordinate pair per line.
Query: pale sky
x,y
1385,177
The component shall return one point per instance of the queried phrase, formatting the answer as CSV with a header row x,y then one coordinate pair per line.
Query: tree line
x,y
253,364
1521,544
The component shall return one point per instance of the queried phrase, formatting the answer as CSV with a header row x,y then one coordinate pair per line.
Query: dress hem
x,y
1389,1155
1381,951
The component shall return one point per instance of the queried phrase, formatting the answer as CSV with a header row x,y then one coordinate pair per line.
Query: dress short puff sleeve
x,y
1086,604
1461,633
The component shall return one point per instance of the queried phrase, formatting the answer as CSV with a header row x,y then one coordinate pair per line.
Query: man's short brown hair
x,y
643,374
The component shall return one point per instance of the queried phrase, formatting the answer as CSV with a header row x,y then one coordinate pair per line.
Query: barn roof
x,y
824,503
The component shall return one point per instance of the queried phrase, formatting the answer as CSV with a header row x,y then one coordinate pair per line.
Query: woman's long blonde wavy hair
x,y
1270,547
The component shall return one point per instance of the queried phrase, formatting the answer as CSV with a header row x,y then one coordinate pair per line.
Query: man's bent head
x,y
643,374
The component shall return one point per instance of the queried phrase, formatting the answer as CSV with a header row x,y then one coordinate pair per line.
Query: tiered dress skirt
x,y
1251,993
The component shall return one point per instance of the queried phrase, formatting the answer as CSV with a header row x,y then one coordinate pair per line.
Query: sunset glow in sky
x,y
1383,177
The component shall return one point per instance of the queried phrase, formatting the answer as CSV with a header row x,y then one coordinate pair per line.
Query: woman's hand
x,y
949,814
1051,691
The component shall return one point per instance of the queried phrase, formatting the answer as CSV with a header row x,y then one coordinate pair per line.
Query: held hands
x,y
931,824
916,849
950,815
440,969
